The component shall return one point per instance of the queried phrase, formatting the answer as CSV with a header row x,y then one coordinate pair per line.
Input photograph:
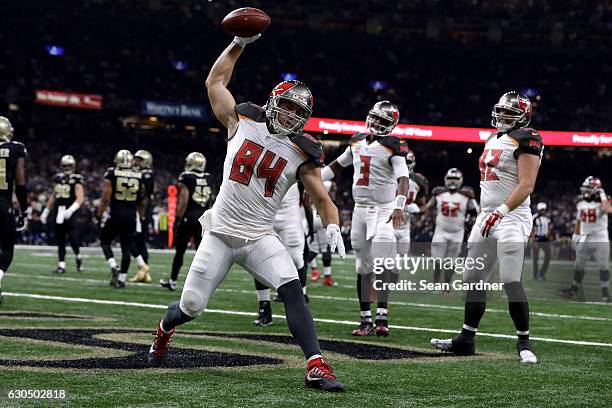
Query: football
x,y
246,22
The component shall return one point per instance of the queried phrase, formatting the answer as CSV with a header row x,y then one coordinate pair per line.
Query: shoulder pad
x,y
438,190
529,140
77,178
184,175
577,199
422,181
358,137
397,145
311,147
251,111
19,148
467,191
57,177
109,172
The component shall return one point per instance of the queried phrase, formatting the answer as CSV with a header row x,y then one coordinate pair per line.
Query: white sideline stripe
x,y
343,322
338,298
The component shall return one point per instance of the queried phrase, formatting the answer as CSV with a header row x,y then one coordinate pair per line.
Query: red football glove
x,y
494,219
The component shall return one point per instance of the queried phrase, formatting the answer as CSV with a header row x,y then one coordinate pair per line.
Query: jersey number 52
x,y
245,164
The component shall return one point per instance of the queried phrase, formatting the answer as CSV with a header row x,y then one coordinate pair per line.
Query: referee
x,y
542,227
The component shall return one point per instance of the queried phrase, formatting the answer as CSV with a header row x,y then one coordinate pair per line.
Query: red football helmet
x,y
289,107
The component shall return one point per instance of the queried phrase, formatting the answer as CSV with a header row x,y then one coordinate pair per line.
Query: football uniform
x,y
10,152
64,186
402,234
127,191
498,178
288,225
259,169
377,165
594,226
451,207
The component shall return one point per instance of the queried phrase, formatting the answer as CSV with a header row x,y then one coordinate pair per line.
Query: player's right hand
x,y
334,239
576,239
243,41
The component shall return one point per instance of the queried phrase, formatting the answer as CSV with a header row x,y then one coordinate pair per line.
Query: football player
x,y
143,162
124,192
318,245
67,197
12,178
194,197
509,168
591,238
267,152
380,171
452,202
417,193
288,225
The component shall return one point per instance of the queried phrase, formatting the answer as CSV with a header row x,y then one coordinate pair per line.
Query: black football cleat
x,y
59,270
158,353
114,277
265,315
306,298
79,265
320,375
168,284
458,345
572,293
120,285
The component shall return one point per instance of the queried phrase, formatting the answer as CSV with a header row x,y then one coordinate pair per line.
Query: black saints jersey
x,y
200,191
64,188
10,152
128,190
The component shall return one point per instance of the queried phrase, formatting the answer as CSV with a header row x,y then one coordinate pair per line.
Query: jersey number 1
x,y
3,183
245,161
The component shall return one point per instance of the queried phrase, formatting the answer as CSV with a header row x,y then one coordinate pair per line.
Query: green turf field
x,y
43,345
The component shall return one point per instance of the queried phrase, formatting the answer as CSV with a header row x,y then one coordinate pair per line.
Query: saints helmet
x,y
512,111
6,129
282,120
382,118
124,159
410,160
195,161
67,163
453,179
588,187
143,159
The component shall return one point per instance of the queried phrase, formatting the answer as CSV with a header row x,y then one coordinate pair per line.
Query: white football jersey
x,y
374,180
290,206
499,167
451,209
593,219
259,169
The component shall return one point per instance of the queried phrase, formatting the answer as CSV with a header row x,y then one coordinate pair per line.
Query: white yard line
x,y
331,321
335,298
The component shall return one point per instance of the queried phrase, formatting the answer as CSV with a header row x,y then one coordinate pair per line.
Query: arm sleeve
x,y
346,158
400,169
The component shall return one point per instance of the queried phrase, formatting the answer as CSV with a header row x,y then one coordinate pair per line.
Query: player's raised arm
x,y
310,176
221,99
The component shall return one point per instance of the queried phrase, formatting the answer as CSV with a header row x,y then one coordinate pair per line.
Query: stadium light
x,y
378,85
289,76
180,65
55,50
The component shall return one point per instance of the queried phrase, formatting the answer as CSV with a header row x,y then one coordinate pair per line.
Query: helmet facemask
x,y
410,161
379,125
511,111
286,116
67,164
453,179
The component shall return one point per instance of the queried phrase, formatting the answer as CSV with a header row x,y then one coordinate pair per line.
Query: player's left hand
x,y
600,193
494,219
398,217
334,239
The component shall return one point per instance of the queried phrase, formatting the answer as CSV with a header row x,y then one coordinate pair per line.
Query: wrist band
x,y
400,202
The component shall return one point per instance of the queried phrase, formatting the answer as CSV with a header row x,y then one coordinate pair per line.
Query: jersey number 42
x,y
245,164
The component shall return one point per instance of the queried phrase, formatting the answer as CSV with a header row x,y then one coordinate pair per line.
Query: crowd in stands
x,y
440,62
